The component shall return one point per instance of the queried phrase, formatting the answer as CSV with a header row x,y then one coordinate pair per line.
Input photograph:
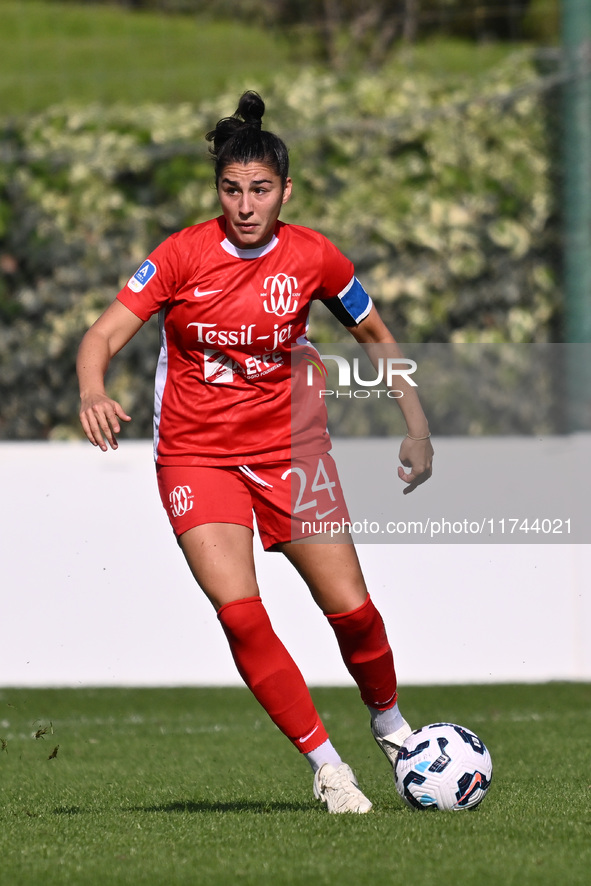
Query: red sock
x,y
270,672
367,654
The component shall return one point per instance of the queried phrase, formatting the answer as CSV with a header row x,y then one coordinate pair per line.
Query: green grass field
x,y
192,786
53,52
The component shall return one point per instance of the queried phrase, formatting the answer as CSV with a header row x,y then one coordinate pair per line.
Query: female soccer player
x,y
236,432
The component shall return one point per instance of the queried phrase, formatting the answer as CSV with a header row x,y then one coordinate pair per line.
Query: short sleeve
x,y
148,290
342,293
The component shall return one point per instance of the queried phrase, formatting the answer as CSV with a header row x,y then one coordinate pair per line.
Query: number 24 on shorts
x,y
320,483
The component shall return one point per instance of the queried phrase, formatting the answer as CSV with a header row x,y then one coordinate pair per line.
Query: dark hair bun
x,y
251,108
249,112
241,139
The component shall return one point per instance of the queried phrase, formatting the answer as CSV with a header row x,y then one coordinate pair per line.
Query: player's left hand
x,y
418,456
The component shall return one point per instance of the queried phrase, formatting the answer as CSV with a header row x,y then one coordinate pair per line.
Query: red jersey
x,y
232,322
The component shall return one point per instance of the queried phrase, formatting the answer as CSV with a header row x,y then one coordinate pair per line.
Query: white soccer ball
x,y
443,766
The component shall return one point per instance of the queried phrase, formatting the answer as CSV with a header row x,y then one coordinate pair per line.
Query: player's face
x,y
251,196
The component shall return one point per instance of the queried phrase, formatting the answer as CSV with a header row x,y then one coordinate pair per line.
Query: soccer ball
x,y
443,766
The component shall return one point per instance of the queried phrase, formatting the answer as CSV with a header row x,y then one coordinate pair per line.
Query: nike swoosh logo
x,y
326,513
309,735
198,293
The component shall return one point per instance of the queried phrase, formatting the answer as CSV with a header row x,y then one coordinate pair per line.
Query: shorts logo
x,y
280,295
181,500
142,275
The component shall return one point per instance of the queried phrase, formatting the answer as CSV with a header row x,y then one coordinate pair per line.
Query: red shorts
x,y
292,499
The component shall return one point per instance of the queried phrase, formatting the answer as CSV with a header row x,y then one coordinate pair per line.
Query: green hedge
x,y
440,192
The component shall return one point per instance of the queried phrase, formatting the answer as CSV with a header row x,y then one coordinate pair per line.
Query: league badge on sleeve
x,y
143,274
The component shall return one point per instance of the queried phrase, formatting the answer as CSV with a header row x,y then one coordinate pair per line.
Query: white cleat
x,y
391,744
337,788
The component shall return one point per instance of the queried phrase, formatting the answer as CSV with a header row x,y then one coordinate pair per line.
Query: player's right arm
x,y
99,414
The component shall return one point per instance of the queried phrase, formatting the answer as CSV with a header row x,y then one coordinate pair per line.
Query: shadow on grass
x,y
201,806
205,806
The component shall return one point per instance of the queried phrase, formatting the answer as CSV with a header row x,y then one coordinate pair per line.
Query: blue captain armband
x,y
351,305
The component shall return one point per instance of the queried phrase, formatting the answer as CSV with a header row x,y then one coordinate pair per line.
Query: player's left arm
x,y
416,451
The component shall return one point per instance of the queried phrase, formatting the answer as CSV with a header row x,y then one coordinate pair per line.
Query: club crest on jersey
x,y
280,295
144,273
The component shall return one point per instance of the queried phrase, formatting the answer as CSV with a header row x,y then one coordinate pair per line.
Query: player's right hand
x,y
100,416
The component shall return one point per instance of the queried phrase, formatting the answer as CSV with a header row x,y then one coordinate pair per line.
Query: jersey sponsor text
x,y
220,368
209,334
